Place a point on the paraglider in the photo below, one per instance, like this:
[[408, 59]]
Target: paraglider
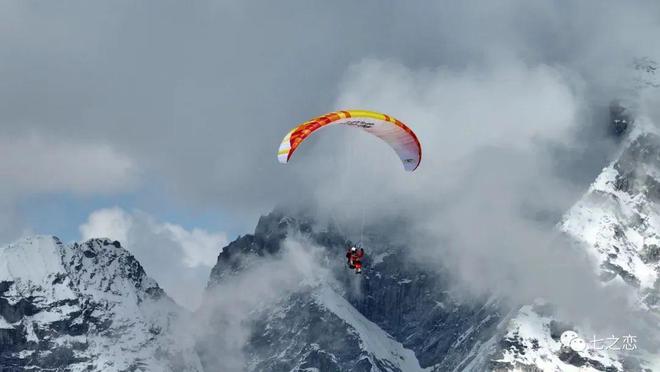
[[355, 259], [392, 131], [395, 133]]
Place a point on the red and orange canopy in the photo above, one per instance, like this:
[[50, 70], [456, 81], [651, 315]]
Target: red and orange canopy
[[396, 134]]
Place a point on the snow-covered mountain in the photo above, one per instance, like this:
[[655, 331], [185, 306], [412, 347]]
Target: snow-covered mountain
[[618, 220], [395, 317], [91, 306], [617, 223], [85, 307], [421, 325]]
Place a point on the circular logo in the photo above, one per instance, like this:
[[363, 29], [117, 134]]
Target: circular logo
[[578, 344], [567, 337]]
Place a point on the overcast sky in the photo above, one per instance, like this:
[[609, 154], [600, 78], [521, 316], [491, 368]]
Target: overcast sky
[[162, 119]]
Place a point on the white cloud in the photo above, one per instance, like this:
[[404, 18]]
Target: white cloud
[[179, 259], [32, 164], [223, 323], [36, 164], [460, 115], [485, 200], [199, 246], [112, 223], [456, 111]]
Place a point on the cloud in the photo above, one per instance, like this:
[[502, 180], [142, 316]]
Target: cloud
[[487, 131], [199, 246], [35, 164], [180, 260], [486, 199], [32, 164], [223, 323], [112, 223], [201, 113], [507, 99]]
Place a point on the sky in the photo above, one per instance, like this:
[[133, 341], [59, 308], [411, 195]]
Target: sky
[[158, 122]]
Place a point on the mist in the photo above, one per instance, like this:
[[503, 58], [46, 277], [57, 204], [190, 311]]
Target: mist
[[223, 324], [509, 100], [486, 203], [194, 102]]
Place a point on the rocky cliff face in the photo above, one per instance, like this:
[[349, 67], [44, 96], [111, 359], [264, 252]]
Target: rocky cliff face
[[90, 305], [618, 220], [394, 317], [617, 223], [422, 325], [85, 306]]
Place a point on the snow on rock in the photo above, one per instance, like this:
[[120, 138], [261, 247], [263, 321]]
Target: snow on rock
[[393, 318], [618, 220], [379, 258], [86, 306], [34, 266], [4, 324], [533, 340], [373, 339]]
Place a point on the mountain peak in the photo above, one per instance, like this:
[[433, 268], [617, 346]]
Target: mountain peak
[[86, 305], [617, 220]]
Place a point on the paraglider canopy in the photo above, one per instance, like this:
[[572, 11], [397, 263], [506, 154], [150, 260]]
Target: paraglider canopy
[[395, 133]]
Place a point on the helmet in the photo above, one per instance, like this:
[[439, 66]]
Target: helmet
[[353, 249]]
